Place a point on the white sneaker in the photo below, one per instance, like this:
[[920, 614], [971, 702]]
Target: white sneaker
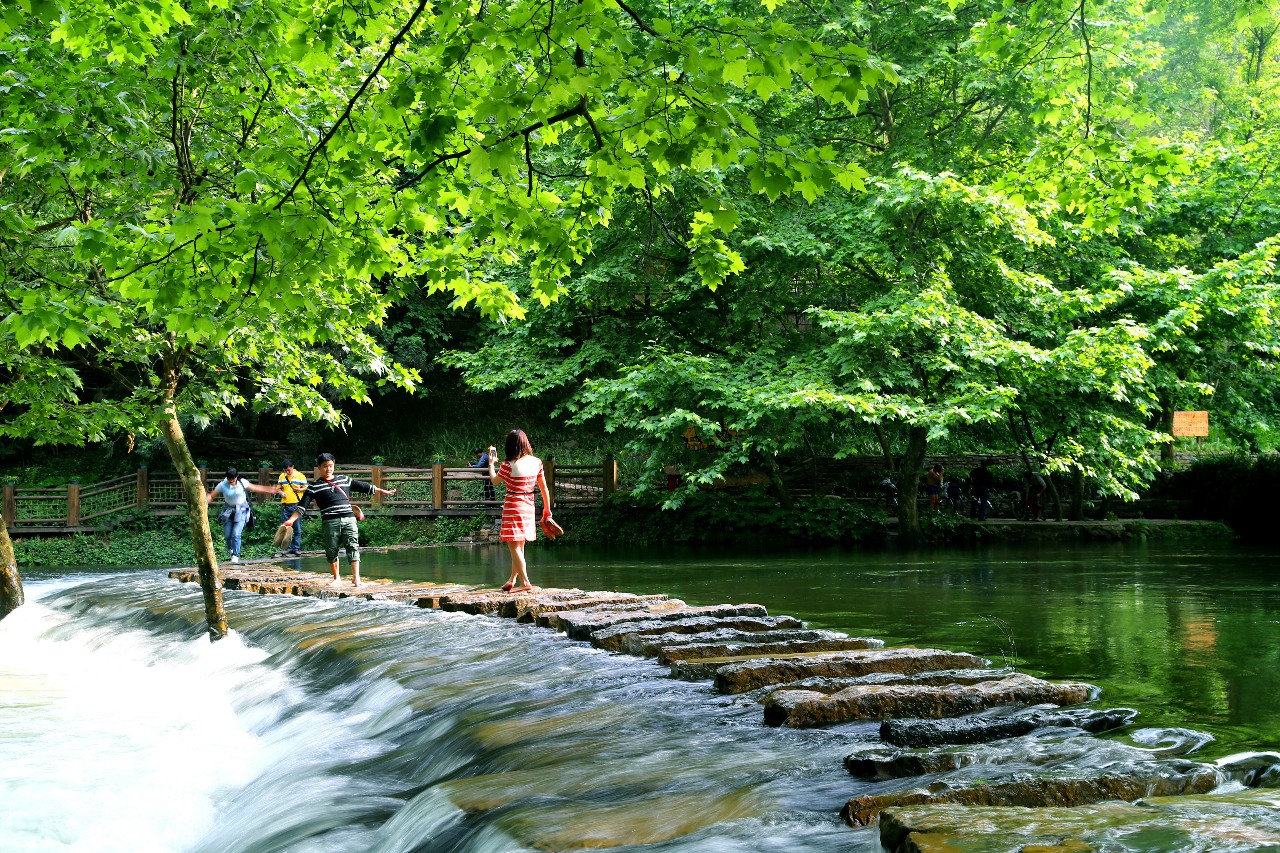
[[234, 558]]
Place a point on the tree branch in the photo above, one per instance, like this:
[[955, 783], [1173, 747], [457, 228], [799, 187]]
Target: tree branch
[[351, 103], [639, 21]]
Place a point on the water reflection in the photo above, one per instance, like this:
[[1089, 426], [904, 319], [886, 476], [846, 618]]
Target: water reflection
[[1186, 635]]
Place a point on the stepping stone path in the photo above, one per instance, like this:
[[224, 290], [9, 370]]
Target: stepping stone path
[[806, 678]]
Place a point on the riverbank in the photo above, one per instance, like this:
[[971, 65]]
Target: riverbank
[[1115, 530], [166, 541]]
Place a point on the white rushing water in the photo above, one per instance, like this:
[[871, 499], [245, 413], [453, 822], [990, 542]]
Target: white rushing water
[[331, 726], [117, 740]]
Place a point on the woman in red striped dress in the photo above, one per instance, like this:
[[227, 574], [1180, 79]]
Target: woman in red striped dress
[[522, 474]]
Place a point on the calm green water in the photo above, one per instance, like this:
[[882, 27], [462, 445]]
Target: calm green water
[[1188, 636]]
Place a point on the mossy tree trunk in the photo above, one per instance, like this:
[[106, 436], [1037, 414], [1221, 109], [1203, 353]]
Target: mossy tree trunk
[[1166, 424], [11, 597], [909, 485], [193, 494], [1077, 494]]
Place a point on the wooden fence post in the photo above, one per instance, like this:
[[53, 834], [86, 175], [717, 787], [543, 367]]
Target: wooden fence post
[[379, 479], [73, 503], [144, 487], [10, 504], [264, 479], [549, 472], [437, 485], [610, 476]]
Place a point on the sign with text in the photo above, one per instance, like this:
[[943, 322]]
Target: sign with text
[[1191, 423]]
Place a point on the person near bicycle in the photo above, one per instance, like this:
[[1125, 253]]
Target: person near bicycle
[[980, 482], [1034, 487]]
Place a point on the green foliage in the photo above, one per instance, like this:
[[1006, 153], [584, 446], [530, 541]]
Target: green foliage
[[141, 539], [1229, 488], [753, 516], [943, 525], [1028, 266], [58, 469]]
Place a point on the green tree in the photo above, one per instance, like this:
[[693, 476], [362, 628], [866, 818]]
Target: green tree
[[239, 190], [931, 302]]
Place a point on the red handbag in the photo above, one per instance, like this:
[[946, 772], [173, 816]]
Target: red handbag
[[551, 528]]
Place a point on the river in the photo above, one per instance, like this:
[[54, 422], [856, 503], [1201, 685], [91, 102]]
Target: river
[[340, 726]]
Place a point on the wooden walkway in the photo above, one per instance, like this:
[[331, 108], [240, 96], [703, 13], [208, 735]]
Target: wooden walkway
[[438, 491]]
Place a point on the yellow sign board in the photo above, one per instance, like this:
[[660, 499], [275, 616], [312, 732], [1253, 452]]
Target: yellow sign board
[[1191, 423]]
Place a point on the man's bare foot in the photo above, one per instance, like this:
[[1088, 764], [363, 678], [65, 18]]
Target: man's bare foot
[[336, 582]]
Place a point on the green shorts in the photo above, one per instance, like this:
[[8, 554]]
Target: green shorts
[[341, 533]]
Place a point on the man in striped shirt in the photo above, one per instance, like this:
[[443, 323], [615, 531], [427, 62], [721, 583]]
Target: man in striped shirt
[[331, 493]]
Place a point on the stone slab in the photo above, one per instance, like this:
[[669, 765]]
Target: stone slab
[[968, 730], [622, 637], [562, 617], [935, 678], [742, 647], [531, 611], [806, 709], [580, 626], [1189, 817], [753, 674], [881, 765]]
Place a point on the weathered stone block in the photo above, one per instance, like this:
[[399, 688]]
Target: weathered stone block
[[580, 626], [1235, 820], [898, 765], [530, 611], [919, 733], [935, 678], [742, 647], [806, 708], [614, 638], [1152, 780], [560, 618], [749, 675]]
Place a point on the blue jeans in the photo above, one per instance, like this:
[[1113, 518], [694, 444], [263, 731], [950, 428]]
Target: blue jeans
[[233, 521], [286, 513]]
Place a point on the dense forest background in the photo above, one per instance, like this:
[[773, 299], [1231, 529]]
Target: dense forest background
[[761, 237]]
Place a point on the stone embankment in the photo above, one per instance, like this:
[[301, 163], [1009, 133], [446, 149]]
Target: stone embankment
[[923, 699]]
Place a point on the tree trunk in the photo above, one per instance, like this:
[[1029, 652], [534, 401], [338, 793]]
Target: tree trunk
[[885, 449], [10, 581], [909, 531], [193, 493], [784, 493], [1077, 494], [1053, 492], [1166, 425]]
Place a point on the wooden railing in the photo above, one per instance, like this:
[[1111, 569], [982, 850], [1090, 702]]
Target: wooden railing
[[434, 491]]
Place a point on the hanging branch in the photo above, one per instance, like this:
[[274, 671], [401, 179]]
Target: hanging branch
[[351, 103], [1088, 85]]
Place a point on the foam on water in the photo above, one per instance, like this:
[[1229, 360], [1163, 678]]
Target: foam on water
[[118, 740]]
